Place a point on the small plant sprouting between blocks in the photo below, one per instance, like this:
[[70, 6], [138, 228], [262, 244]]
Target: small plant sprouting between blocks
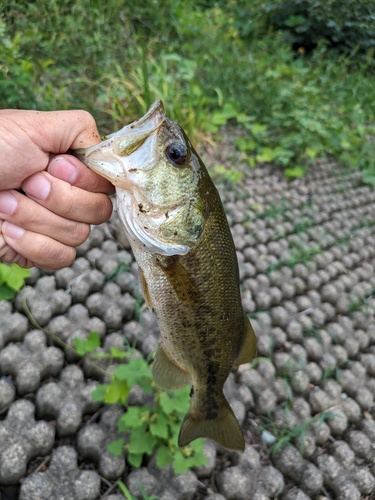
[[124, 490], [285, 434], [12, 279], [151, 427]]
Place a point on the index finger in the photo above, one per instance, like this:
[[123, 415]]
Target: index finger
[[29, 137], [72, 170]]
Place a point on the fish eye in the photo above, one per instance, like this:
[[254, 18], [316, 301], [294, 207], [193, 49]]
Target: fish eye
[[177, 153]]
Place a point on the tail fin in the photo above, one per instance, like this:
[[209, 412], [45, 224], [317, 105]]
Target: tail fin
[[224, 429]]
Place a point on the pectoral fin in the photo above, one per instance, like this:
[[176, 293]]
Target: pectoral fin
[[249, 345], [180, 280], [144, 288], [166, 374]]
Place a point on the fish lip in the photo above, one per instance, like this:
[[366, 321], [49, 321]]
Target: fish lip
[[139, 129], [157, 109]]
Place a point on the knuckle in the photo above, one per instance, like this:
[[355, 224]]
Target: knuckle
[[56, 255], [105, 210], [80, 232], [86, 120]]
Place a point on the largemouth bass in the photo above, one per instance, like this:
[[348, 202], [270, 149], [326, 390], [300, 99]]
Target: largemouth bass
[[174, 220]]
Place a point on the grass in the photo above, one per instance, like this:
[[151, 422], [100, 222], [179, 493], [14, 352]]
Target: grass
[[302, 254], [200, 59], [286, 435]]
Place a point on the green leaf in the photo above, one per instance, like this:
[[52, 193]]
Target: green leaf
[[311, 152], [98, 394], [90, 344], [117, 353], [6, 293], [160, 427], [198, 449], [117, 392], [167, 403], [293, 21], [163, 456], [136, 371], [257, 129], [291, 173], [116, 447], [4, 273], [221, 117], [133, 418], [141, 441], [16, 277], [189, 456], [367, 178], [266, 155], [135, 459], [179, 462]]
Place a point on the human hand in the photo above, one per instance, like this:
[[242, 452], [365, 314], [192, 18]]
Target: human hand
[[42, 225]]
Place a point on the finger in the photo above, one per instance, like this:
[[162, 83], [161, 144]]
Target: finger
[[9, 255], [68, 201], [35, 248], [28, 137], [56, 131], [68, 168], [30, 215]]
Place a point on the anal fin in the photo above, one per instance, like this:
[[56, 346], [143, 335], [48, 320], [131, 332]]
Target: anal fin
[[166, 374], [249, 345], [224, 429]]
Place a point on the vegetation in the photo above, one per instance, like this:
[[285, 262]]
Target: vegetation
[[293, 107], [126, 493], [12, 279], [151, 427], [285, 435]]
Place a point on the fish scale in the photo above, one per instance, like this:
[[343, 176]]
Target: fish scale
[[173, 217]]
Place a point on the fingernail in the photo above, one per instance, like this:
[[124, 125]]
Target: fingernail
[[8, 203], [37, 186], [12, 231], [63, 169]]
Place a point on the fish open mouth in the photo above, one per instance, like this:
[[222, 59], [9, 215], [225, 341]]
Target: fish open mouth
[[109, 157]]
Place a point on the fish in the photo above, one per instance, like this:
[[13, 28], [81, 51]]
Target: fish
[[175, 222]]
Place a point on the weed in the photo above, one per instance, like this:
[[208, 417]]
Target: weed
[[12, 279], [150, 427], [312, 331], [227, 176], [124, 490], [114, 274], [331, 372], [286, 435], [120, 58], [361, 302], [301, 255]]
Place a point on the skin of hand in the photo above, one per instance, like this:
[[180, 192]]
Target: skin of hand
[[48, 199]]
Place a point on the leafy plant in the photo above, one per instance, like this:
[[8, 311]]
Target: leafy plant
[[345, 25], [227, 176], [150, 427], [293, 110], [301, 255], [12, 279]]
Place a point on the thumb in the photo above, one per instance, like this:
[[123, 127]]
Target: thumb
[[58, 131]]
